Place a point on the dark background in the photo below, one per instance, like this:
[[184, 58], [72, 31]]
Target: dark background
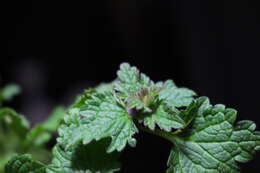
[[56, 49]]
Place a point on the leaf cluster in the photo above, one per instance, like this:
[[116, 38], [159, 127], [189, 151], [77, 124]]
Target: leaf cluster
[[104, 120], [16, 135]]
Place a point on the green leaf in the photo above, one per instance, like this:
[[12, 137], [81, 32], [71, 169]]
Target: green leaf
[[145, 99], [13, 129], [81, 99], [135, 89], [165, 117], [100, 117], [8, 92], [41, 133], [168, 118], [24, 164], [16, 122], [174, 96], [105, 87], [91, 158], [54, 120], [130, 80], [214, 143], [36, 137]]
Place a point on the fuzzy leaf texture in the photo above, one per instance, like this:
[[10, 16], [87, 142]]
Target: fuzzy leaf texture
[[130, 80], [103, 120], [215, 143], [165, 117], [133, 87], [99, 118], [159, 101], [174, 96]]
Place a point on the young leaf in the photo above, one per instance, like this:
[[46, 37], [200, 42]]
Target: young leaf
[[24, 164], [130, 80], [174, 96], [214, 143], [91, 158], [135, 89], [165, 117], [100, 117], [168, 117]]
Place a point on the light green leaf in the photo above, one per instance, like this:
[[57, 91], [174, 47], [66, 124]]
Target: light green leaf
[[54, 120], [130, 80], [165, 117], [41, 133], [100, 117], [91, 158], [8, 92], [174, 96], [168, 118], [135, 89], [16, 122], [24, 164], [105, 87], [36, 137], [214, 144], [13, 129], [81, 99]]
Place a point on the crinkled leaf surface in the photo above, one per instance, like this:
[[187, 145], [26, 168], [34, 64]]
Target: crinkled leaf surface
[[81, 99], [24, 164], [130, 80], [165, 117], [105, 87], [91, 158], [168, 118], [100, 123], [214, 144], [135, 88], [174, 96], [100, 117]]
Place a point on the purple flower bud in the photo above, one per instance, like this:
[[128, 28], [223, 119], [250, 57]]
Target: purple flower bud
[[132, 111]]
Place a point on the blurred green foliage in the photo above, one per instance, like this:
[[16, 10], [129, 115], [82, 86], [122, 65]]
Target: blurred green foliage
[[16, 135]]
